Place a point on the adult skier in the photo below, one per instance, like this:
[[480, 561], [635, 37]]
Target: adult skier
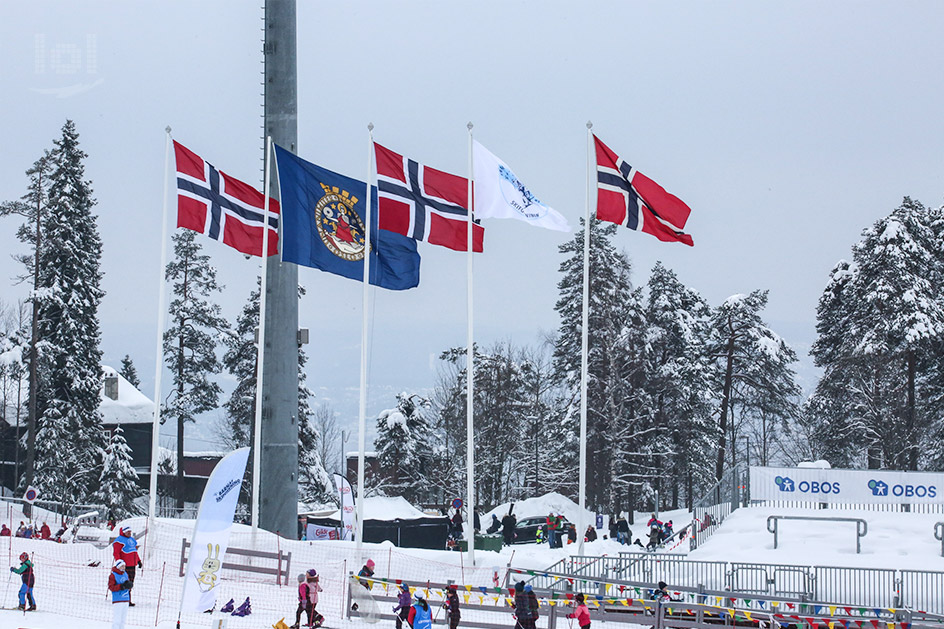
[[125, 548], [420, 616]]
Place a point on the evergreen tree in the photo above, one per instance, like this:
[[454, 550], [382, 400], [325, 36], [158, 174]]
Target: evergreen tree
[[620, 428], [402, 444], [129, 373], [190, 340], [118, 484], [679, 380], [68, 270], [754, 364]]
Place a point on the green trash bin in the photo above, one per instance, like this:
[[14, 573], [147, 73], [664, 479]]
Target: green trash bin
[[488, 542]]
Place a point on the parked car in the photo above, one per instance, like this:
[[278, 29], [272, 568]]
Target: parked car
[[527, 528]]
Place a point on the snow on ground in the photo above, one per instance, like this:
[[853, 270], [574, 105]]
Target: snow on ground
[[894, 540]]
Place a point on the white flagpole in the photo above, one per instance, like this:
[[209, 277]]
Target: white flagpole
[[362, 405], [584, 341], [470, 377], [158, 352], [260, 350]]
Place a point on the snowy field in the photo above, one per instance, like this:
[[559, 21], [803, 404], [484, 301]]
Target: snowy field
[[71, 590]]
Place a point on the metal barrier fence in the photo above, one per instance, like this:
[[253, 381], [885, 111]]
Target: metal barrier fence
[[860, 587], [709, 511]]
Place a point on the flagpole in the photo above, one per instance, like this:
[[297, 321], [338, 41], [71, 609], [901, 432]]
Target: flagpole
[[470, 374], [158, 352], [584, 342], [260, 349], [362, 405]]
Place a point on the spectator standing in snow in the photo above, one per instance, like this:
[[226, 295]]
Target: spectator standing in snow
[[20, 530], [452, 606], [654, 520], [655, 537], [120, 584], [623, 535], [4, 531], [402, 610], [476, 523], [572, 534], [457, 524], [591, 534], [365, 573], [581, 613], [125, 547], [614, 527], [551, 524], [667, 531], [28, 577], [44, 532], [509, 522], [420, 616]]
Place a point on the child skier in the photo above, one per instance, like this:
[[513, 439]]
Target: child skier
[[29, 580], [581, 613], [402, 610], [420, 616], [308, 588], [452, 606]]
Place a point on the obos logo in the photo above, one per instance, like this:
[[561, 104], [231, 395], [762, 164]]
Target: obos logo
[[807, 487], [784, 483], [880, 488]]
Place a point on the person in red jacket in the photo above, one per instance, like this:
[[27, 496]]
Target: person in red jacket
[[44, 532], [125, 548], [581, 613]]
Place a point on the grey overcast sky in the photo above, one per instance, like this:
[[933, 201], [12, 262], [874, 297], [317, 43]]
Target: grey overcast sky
[[787, 127]]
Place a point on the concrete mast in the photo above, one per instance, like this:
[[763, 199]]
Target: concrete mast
[[279, 465]]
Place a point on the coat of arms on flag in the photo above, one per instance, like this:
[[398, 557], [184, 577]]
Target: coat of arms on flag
[[627, 197], [224, 208], [424, 203]]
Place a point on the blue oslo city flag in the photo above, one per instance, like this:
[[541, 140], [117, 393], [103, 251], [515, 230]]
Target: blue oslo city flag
[[323, 226]]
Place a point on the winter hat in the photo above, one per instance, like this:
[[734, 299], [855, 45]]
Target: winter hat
[[405, 587], [661, 585], [24, 556], [312, 573], [301, 578], [370, 564], [519, 586], [125, 530], [418, 596], [120, 564], [528, 588]]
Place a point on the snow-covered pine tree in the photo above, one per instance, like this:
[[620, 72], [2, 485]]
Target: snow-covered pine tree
[[620, 431], [118, 484], [68, 458], [403, 448], [754, 364], [129, 373], [679, 380], [883, 333], [31, 208], [190, 340]]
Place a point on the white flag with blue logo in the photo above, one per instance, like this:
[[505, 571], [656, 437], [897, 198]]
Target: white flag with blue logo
[[211, 532], [500, 194]]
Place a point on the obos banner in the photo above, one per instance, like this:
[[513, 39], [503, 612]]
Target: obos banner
[[211, 532], [802, 484]]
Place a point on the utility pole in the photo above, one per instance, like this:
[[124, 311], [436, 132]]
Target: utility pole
[[278, 478]]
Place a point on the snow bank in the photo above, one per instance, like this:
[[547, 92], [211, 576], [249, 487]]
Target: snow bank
[[542, 505], [385, 508]]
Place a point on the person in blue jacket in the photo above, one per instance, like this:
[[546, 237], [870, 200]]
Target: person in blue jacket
[[119, 584], [420, 615]]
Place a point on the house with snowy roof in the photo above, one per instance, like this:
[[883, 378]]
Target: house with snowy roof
[[124, 405]]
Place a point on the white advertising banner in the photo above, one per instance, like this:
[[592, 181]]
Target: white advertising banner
[[347, 506], [211, 532], [801, 484], [317, 532]]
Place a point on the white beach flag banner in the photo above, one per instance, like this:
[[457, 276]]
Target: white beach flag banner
[[347, 506], [500, 194], [211, 532]]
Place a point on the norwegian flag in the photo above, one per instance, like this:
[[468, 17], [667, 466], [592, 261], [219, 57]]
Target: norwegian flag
[[213, 203], [627, 197], [424, 203]]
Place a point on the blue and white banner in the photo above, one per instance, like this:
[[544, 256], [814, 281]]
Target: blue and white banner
[[800, 484], [211, 532]]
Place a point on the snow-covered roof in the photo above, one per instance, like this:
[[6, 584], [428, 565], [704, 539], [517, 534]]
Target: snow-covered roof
[[367, 454], [131, 407], [387, 509], [552, 502]]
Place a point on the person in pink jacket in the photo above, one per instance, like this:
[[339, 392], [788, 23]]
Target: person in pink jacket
[[581, 613], [308, 588]]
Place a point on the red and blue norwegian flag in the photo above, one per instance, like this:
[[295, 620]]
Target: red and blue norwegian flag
[[226, 209], [627, 197], [424, 203]]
